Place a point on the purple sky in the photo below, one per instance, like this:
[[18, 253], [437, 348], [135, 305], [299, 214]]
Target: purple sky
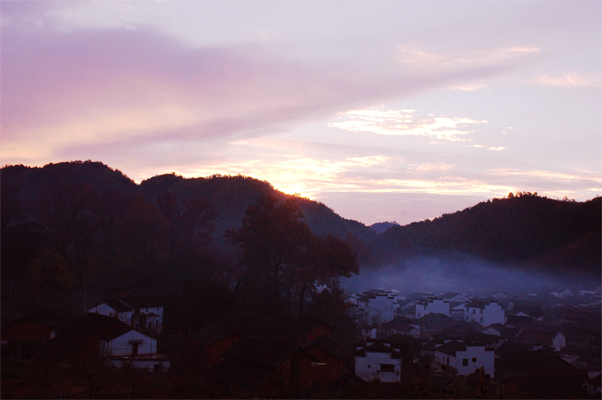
[[381, 110]]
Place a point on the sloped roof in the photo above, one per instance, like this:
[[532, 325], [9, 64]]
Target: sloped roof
[[397, 323], [449, 295], [260, 352], [451, 348], [538, 363], [288, 329], [138, 302], [378, 348], [437, 320], [238, 373], [535, 336], [329, 344], [48, 317], [118, 306], [476, 304], [209, 334], [89, 326], [555, 386], [115, 333], [55, 349]]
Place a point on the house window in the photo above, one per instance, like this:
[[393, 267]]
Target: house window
[[465, 362], [288, 363], [156, 367], [474, 311], [387, 368], [481, 319], [368, 365], [467, 318]]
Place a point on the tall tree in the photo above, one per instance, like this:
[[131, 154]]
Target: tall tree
[[284, 258]]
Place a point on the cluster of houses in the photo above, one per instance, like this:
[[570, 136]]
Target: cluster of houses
[[126, 331], [520, 344], [538, 345]]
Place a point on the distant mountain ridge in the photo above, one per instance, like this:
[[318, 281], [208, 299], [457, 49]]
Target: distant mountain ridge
[[526, 230]]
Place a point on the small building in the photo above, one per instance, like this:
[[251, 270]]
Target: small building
[[34, 328], [484, 313], [143, 313], [433, 305], [100, 339], [378, 361], [464, 357]]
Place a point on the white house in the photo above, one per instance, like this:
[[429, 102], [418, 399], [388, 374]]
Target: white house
[[127, 347], [141, 313], [378, 361], [377, 307], [433, 305], [449, 296], [460, 355], [484, 312]]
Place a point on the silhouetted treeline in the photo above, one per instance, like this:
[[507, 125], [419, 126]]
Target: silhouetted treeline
[[522, 230], [82, 227]]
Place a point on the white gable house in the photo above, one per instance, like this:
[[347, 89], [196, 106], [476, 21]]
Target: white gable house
[[142, 313], [378, 361], [460, 355], [435, 305], [484, 312], [127, 347]]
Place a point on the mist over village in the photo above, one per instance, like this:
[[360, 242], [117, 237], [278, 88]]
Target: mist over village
[[301, 199]]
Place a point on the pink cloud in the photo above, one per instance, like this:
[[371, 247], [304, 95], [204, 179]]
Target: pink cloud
[[90, 87]]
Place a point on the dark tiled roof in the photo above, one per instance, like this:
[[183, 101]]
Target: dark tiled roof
[[378, 348], [260, 352], [50, 318], [210, 334], [549, 386], [288, 329], [55, 349], [538, 363], [118, 306], [329, 344], [533, 336], [140, 302], [115, 333], [89, 326], [397, 323], [451, 348], [224, 320], [240, 374], [476, 304], [508, 348], [449, 295]]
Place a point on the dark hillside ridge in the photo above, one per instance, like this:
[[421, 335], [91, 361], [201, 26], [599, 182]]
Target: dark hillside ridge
[[230, 195], [381, 227], [528, 230]]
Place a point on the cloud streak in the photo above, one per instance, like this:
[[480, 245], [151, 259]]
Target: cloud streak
[[405, 123], [97, 86]]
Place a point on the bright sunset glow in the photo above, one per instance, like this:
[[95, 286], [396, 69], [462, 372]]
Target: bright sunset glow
[[365, 106]]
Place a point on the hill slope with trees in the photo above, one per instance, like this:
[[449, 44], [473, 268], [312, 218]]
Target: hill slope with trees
[[525, 230]]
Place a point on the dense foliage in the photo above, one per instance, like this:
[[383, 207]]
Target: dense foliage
[[523, 229]]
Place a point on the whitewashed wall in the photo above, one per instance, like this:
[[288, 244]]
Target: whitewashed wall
[[368, 367], [121, 346]]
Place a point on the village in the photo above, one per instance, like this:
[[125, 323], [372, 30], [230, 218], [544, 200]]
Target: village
[[456, 345]]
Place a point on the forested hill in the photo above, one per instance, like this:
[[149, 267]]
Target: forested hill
[[525, 230], [230, 195]]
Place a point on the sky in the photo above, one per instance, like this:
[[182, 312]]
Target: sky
[[382, 110]]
